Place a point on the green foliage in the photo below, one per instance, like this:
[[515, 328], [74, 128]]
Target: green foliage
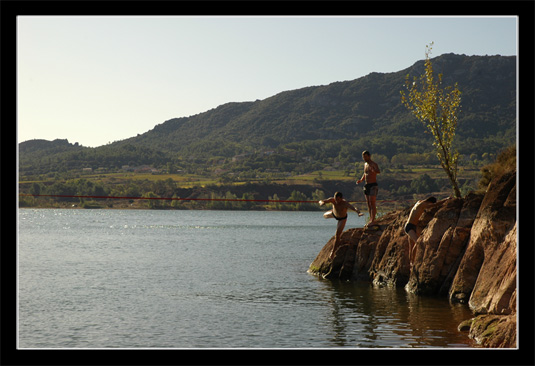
[[424, 184], [505, 161], [437, 108], [152, 203]]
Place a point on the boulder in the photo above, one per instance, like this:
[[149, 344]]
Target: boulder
[[482, 260]]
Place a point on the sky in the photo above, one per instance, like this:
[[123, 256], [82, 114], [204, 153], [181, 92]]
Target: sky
[[99, 79]]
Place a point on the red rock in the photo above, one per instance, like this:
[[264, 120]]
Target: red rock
[[495, 219], [466, 252]]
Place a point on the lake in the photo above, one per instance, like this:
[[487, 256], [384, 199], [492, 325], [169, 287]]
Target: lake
[[92, 279]]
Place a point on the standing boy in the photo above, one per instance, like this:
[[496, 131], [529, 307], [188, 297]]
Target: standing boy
[[371, 169], [339, 212]]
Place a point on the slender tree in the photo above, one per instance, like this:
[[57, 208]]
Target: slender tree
[[437, 108]]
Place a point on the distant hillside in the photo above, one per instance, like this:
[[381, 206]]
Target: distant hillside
[[316, 124]]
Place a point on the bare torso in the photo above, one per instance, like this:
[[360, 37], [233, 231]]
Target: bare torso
[[370, 172], [340, 208], [417, 211]]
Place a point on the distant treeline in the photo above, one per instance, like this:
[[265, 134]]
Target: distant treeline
[[167, 188], [390, 189]]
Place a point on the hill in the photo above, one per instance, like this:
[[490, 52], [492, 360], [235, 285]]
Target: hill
[[306, 129]]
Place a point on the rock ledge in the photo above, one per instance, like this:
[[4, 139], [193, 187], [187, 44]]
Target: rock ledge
[[466, 253]]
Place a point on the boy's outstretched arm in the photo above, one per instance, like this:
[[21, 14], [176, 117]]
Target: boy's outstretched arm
[[350, 206], [328, 200]]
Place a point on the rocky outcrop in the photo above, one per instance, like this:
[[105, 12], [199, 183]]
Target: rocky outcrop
[[466, 253]]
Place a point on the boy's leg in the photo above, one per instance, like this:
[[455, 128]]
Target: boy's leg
[[340, 228], [413, 235], [369, 203], [338, 236], [372, 198], [412, 245], [373, 209]]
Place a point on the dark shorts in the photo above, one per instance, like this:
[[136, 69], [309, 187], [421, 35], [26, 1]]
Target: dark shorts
[[371, 189], [340, 218], [410, 227]]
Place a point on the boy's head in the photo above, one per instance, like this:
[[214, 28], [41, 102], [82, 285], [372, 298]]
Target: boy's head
[[432, 200]]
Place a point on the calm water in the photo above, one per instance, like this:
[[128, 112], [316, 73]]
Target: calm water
[[205, 279]]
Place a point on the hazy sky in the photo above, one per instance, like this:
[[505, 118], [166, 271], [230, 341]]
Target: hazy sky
[[99, 79]]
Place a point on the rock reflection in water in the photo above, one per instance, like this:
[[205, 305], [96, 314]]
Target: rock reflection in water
[[370, 317]]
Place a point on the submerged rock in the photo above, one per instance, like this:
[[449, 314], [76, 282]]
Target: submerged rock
[[466, 252]]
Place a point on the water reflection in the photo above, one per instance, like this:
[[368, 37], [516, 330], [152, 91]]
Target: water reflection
[[370, 317]]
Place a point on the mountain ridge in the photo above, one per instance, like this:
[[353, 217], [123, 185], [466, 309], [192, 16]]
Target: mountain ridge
[[365, 113]]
